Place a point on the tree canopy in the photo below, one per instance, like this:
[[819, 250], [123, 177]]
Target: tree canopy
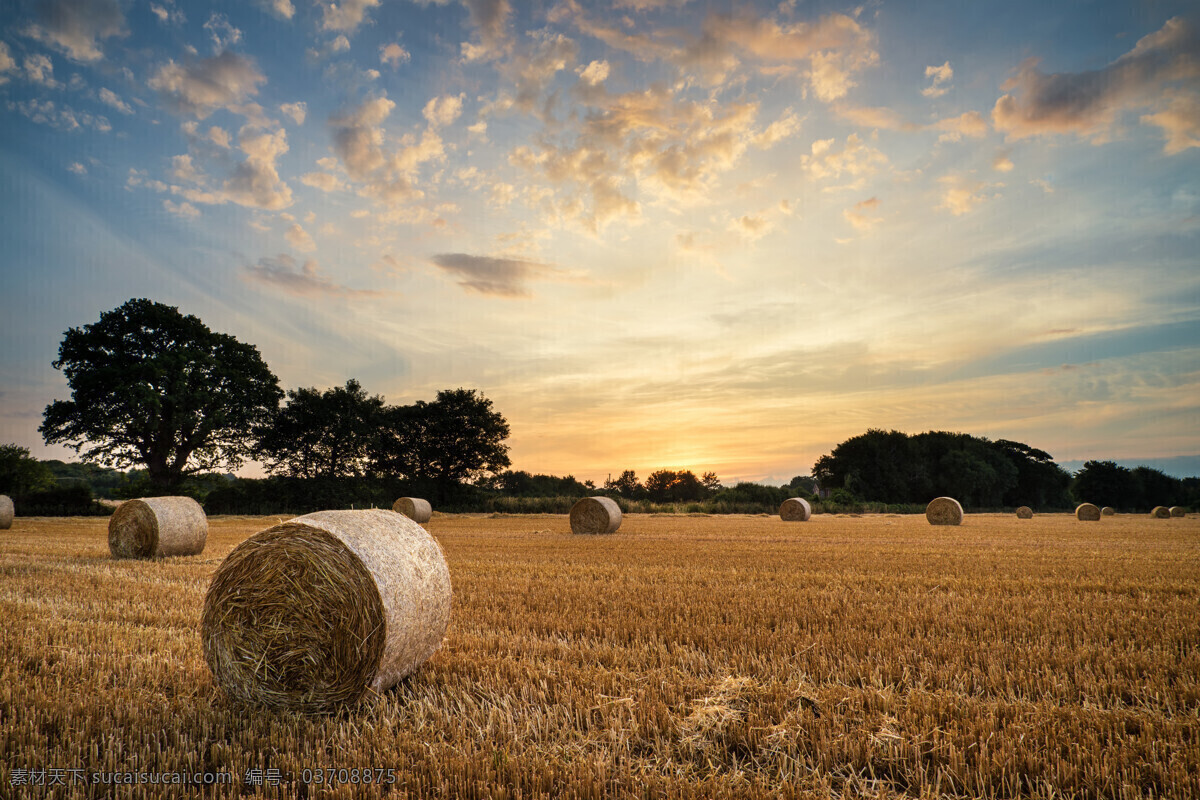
[[152, 387], [329, 434]]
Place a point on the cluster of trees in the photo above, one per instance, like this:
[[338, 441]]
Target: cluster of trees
[[893, 467], [665, 486], [1107, 483], [154, 388]]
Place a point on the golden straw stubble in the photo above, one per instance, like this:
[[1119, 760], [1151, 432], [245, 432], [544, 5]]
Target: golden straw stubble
[[595, 515], [944, 511], [311, 614], [6, 512], [1087, 512], [415, 508], [795, 509], [156, 527]]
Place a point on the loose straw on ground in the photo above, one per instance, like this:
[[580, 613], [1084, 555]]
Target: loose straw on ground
[[6, 512], [1087, 512], [1024, 512], [944, 511], [155, 527], [595, 515], [795, 509], [414, 508], [314, 612]]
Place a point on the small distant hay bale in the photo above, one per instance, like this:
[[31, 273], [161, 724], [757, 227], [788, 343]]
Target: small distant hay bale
[[795, 509], [6, 512], [414, 508], [1178, 511], [155, 527], [1024, 512], [315, 612], [944, 511], [1161, 512], [1087, 512], [1108, 511], [595, 515]]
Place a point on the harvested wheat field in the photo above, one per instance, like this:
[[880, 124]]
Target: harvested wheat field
[[682, 656]]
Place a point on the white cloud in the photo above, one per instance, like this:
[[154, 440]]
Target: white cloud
[[490, 20], [344, 16], [299, 238], [225, 81], [393, 54], [297, 111], [442, 111], [1002, 163], [961, 195], [941, 77], [498, 277], [76, 26], [182, 169], [184, 209], [594, 73], [860, 215], [40, 70], [281, 273], [970, 124], [1179, 119], [7, 64], [220, 137], [856, 159], [45, 112], [280, 8], [256, 182], [222, 33], [77, 168], [784, 127], [110, 98]]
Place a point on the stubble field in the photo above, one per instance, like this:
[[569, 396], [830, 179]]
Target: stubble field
[[684, 656]]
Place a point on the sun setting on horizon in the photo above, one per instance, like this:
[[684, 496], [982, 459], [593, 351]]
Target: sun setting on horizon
[[654, 233]]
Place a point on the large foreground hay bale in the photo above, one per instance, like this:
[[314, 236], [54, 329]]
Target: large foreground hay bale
[[795, 509], [1024, 512], [6, 512], [1108, 511], [595, 515], [1178, 511], [154, 527], [944, 511], [1087, 512], [310, 614], [414, 508], [1161, 512]]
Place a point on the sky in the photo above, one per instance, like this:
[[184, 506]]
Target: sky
[[655, 233]]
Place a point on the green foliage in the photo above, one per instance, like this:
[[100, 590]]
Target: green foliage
[[328, 434], [669, 486], [104, 482], [895, 468], [626, 485], [73, 500], [152, 387], [21, 473]]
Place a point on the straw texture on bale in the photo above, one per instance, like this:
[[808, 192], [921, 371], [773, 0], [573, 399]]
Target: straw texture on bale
[[312, 613], [1161, 512], [155, 527], [944, 511], [1108, 511], [795, 509], [1024, 512], [1087, 512], [1178, 511], [6, 512], [595, 515], [414, 508]]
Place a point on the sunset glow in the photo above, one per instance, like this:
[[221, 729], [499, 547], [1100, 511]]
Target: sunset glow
[[655, 233]]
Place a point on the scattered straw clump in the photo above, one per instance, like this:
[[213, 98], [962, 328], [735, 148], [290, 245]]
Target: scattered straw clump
[[1108, 511], [944, 511], [414, 508], [1024, 512], [1178, 511], [6, 512], [1161, 512], [1087, 512], [595, 515], [795, 509], [155, 527], [314, 612]]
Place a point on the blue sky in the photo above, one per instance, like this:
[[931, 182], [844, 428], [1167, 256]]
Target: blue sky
[[656, 233]]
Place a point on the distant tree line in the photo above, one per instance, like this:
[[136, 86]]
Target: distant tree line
[[1107, 483]]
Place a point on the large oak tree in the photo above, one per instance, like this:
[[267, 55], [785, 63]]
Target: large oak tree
[[153, 387]]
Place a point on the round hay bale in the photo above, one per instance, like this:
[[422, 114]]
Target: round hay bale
[[1024, 512], [6, 512], [944, 511], [1178, 511], [154, 527], [1087, 512], [314, 612], [1161, 512], [1108, 511], [414, 508], [795, 509], [595, 515]]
